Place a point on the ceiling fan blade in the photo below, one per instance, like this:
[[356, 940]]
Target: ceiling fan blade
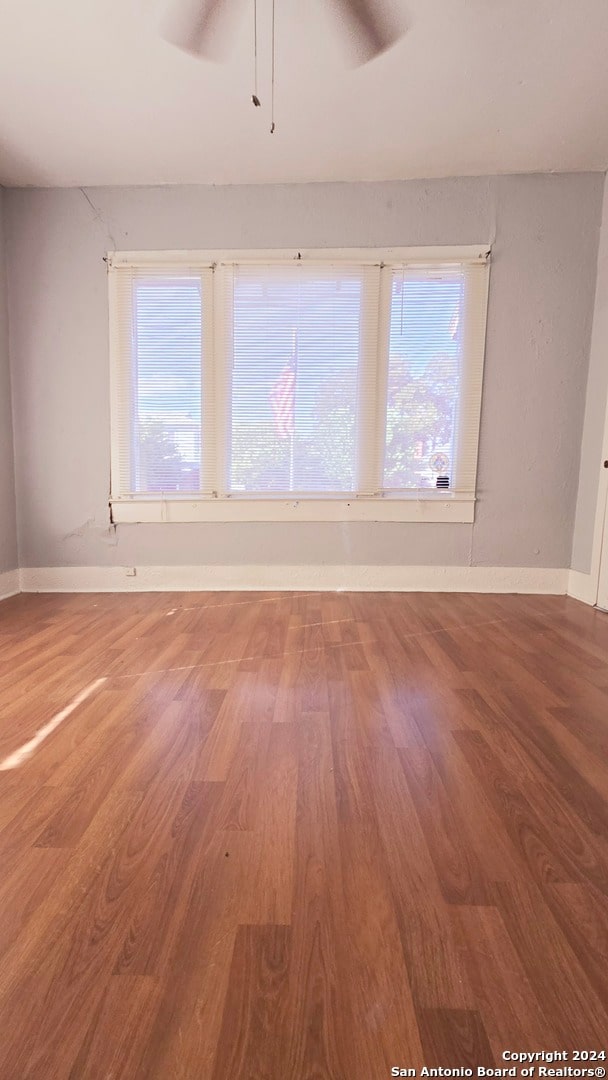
[[373, 29], [192, 24]]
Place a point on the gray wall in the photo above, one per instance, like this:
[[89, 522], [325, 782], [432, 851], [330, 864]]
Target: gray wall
[[545, 231], [8, 522], [595, 415]]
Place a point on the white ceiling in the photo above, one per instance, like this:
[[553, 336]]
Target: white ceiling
[[90, 93]]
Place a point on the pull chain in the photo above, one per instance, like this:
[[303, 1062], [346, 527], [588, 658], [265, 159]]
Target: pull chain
[[254, 96], [272, 124]]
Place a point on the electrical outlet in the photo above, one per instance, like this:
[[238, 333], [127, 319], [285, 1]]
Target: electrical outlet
[[131, 571]]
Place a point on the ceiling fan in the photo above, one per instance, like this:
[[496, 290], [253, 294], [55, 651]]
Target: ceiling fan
[[192, 25]]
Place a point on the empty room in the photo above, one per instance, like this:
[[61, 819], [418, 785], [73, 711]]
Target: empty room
[[303, 539]]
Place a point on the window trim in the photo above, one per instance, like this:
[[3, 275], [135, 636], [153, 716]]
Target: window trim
[[402, 506], [436, 508], [465, 253]]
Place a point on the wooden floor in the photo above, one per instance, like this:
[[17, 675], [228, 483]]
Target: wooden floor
[[300, 835]]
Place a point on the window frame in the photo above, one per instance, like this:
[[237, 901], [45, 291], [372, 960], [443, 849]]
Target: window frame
[[399, 506]]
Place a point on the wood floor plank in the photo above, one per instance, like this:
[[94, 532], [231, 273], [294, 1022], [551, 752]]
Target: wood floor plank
[[381, 995], [316, 1037], [252, 1040], [185, 1034], [529, 832], [119, 1029], [437, 972], [454, 1038], [581, 912], [511, 1012], [554, 969], [158, 918], [274, 881], [459, 871]]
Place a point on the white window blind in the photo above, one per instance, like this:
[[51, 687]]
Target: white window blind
[[433, 386], [301, 350], [330, 380], [161, 327]]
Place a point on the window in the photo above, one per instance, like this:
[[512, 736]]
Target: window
[[315, 386]]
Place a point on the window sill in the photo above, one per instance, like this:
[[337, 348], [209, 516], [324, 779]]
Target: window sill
[[429, 508]]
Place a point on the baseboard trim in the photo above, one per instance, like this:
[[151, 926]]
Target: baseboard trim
[[483, 579], [9, 584], [582, 587]]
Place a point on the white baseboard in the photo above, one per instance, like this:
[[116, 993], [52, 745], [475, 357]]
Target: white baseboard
[[9, 584], [582, 587], [481, 579]]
